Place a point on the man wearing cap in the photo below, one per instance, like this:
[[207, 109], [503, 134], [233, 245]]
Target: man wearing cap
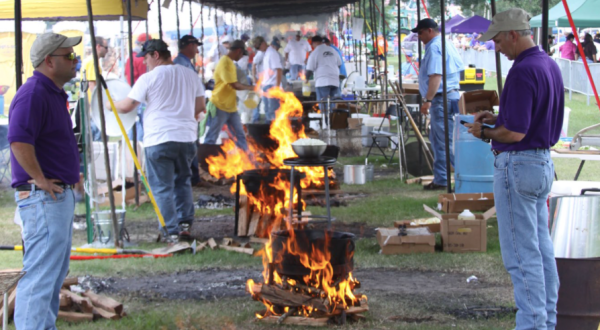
[[342, 66], [271, 77], [529, 123], [295, 52], [222, 108], [45, 166], [188, 48], [325, 63], [408, 69], [174, 96], [431, 88]]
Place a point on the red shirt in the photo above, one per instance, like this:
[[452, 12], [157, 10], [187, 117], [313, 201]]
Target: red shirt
[[139, 68]]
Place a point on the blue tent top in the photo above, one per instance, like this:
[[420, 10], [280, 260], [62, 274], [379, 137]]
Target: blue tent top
[[452, 22], [475, 24]]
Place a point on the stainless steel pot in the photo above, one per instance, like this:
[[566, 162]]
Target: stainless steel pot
[[355, 174], [575, 226]]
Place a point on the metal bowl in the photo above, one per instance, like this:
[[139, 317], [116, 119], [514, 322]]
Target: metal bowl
[[309, 151]]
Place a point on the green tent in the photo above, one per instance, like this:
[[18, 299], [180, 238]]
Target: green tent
[[584, 12]]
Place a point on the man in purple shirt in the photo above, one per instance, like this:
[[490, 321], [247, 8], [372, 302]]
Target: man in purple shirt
[[530, 120], [45, 166]]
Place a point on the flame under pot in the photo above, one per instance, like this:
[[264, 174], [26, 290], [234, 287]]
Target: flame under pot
[[340, 246]]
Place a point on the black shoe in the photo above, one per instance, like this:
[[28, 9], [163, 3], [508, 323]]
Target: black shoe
[[185, 231], [433, 186]]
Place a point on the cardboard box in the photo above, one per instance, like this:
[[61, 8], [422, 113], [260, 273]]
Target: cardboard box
[[118, 193], [475, 101], [410, 88], [456, 203], [391, 243], [354, 123], [463, 235], [433, 227]]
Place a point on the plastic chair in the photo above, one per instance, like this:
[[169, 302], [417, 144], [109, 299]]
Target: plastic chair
[[392, 110]]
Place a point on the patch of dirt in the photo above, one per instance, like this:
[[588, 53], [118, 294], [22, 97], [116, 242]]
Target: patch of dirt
[[475, 313], [215, 283]]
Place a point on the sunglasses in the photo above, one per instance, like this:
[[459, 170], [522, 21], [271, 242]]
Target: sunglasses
[[69, 56]]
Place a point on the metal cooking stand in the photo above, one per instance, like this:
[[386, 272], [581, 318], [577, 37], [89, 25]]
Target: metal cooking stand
[[324, 162]]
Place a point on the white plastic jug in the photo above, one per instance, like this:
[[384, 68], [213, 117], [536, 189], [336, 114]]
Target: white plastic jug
[[251, 100], [359, 82], [466, 215], [306, 90]]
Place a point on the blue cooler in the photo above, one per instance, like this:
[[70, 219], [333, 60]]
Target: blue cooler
[[473, 160]]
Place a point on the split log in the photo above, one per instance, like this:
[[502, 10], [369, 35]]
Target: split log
[[249, 251], [85, 304], [75, 317], [211, 242], [259, 240], [243, 216], [70, 281], [254, 220], [12, 296], [101, 313], [65, 302], [200, 246], [104, 302], [226, 242], [297, 320], [286, 298]]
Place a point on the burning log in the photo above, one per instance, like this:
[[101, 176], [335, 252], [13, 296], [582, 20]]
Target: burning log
[[281, 297]]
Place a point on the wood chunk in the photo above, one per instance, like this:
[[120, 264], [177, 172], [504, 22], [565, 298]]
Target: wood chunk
[[99, 312], [104, 302], [70, 281], [75, 317], [65, 302], [243, 216], [259, 240], [249, 251], [282, 297], [12, 296], [254, 219], [85, 304], [297, 320], [200, 246], [213, 245]]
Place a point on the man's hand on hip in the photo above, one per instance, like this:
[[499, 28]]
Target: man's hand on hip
[[48, 185]]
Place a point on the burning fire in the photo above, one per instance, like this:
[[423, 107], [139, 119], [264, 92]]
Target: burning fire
[[302, 76]]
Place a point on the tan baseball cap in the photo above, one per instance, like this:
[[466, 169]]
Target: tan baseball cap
[[514, 19], [45, 44]]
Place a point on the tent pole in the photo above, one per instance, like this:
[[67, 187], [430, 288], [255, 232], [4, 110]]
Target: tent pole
[[445, 96], [177, 18], [136, 181], [18, 45], [100, 83], [384, 83], [399, 36], [544, 25], [202, 38], [498, 61], [160, 31]]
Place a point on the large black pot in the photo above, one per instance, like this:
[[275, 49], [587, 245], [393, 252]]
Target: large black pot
[[255, 179], [340, 246], [205, 151]]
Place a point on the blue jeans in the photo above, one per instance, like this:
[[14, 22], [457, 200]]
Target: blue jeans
[[232, 119], [96, 134], [323, 92], [295, 69], [271, 105], [437, 136], [47, 233], [522, 181], [169, 175], [139, 124]]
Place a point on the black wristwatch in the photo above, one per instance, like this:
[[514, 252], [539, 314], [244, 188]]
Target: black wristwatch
[[427, 101], [482, 136]]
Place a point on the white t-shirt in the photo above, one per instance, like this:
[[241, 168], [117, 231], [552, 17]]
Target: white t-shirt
[[325, 62], [170, 92], [259, 57], [297, 51], [243, 62], [216, 53], [271, 63]]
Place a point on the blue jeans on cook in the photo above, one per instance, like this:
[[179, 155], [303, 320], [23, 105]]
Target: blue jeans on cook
[[323, 92], [47, 233], [295, 69], [437, 135], [233, 121], [522, 181], [169, 175], [271, 105]]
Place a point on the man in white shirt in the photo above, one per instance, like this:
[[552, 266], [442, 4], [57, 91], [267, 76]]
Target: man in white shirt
[[295, 53], [325, 62], [174, 96], [261, 46], [219, 50], [271, 77]]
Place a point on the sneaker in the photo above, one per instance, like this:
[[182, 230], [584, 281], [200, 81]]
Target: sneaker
[[171, 239], [185, 232], [433, 186]]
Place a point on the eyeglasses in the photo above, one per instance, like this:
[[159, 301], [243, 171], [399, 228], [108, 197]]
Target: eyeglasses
[[105, 47], [69, 56]]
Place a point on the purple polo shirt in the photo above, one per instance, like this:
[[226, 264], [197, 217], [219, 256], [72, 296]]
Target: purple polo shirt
[[532, 102], [38, 116]]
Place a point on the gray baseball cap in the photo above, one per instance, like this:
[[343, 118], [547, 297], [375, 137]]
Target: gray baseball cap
[[514, 19], [47, 43]]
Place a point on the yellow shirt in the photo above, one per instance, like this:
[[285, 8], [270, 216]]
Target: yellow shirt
[[90, 74], [223, 95]]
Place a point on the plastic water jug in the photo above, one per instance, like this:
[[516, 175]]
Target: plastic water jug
[[473, 160], [251, 100], [466, 215], [306, 90]]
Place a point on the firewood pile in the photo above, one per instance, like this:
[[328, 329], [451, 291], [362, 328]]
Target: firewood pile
[[74, 307], [300, 304]]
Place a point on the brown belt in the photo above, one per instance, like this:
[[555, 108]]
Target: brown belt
[[496, 152]]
